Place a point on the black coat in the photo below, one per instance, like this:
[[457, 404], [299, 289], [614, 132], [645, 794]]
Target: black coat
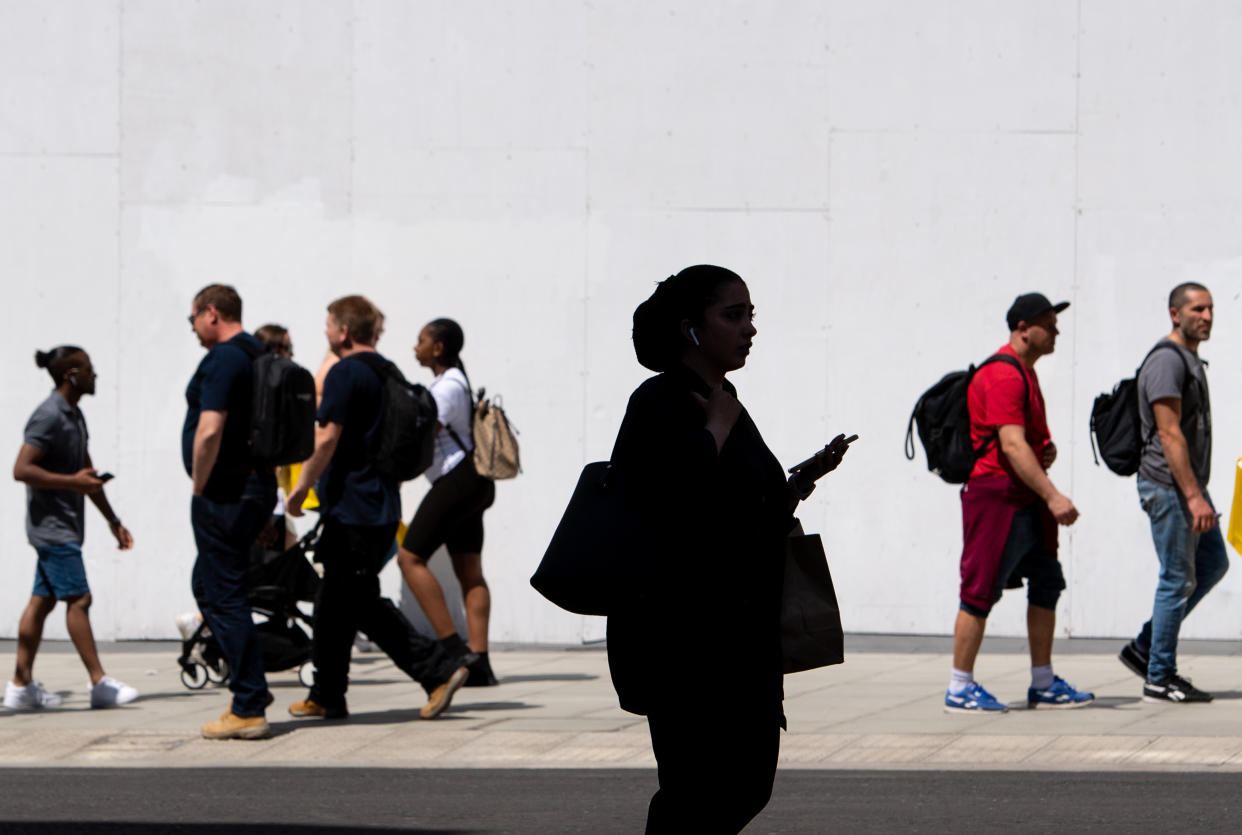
[[709, 608]]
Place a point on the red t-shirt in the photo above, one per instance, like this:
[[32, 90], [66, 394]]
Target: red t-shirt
[[996, 398]]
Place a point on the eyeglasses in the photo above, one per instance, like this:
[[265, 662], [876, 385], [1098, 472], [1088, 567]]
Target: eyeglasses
[[195, 315]]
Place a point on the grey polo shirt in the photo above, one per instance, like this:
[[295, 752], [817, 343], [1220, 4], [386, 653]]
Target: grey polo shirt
[[55, 517]]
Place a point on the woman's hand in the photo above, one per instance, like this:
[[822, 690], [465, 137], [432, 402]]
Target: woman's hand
[[822, 463], [723, 410]]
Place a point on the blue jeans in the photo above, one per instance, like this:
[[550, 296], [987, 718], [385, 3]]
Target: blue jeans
[[1190, 564], [224, 532]]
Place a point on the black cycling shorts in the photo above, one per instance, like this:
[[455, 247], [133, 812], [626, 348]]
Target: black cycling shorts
[[451, 514]]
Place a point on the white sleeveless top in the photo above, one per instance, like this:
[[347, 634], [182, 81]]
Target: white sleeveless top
[[452, 396]]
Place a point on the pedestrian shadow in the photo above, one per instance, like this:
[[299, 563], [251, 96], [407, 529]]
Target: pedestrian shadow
[[1099, 703], [547, 677], [1114, 702], [1227, 695], [470, 707]]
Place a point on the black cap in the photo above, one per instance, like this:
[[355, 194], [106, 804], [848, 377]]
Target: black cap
[[1029, 306]]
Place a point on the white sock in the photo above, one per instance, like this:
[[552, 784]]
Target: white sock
[[960, 681], [1041, 677]]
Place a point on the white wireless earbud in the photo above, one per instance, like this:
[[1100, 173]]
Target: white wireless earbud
[[694, 337]]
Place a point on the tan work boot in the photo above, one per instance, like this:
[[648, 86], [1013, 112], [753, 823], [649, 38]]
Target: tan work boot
[[267, 703], [314, 709], [231, 726], [439, 699]]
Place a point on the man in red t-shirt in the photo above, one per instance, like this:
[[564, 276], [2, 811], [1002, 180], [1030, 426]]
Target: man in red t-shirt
[[1010, 513]]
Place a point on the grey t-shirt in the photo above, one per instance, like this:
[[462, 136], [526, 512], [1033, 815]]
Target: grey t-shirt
[[1164, 375], [55, 517]]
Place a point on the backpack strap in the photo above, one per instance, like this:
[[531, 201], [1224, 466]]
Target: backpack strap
[[1164, 343], [470, 401], [1026, 397], [378, 364], [245, 347]]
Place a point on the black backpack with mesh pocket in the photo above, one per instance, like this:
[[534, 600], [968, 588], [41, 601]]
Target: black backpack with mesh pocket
[[943, 422], [1116, 428]]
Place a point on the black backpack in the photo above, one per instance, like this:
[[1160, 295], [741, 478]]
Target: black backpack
[[943, 422], [282, 409], [404, 442], [1116, 428]]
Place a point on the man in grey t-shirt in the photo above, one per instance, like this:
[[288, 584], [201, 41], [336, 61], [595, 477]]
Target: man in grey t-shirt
[[1176, 417], [55, 465]]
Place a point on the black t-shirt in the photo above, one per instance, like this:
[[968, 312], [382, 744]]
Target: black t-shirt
[[349, 488], [222, 383]]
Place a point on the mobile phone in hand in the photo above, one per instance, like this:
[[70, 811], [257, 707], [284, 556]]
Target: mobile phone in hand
[[105, 477], [802, 465]]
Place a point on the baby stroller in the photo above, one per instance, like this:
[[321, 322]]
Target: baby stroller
[[279, 580]]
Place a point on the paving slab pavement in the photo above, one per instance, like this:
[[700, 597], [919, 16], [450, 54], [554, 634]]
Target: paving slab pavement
[[555, 708]]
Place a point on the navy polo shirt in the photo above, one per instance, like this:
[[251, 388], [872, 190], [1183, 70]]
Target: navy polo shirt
[[222, 383], [350, 489]]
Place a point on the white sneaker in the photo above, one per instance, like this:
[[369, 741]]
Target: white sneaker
[[30, 697], [187, 622], [108, 692]]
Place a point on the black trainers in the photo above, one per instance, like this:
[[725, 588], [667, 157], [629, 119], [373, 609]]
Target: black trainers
[[481, 674], [1134, 659], [1173, 689]]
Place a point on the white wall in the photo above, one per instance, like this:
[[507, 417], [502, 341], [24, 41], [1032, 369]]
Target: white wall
[[886, 175]]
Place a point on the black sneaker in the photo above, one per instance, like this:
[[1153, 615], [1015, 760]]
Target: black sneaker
[[1173, 689], [1134, 659], [481, 674]]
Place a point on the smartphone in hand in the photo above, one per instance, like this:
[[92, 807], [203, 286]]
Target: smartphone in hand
[[802, 465], [105, 477]]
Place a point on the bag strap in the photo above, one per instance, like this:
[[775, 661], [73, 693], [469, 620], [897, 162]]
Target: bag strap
[[378, 364], [1026, 398], [1164, 343], [470, 401]]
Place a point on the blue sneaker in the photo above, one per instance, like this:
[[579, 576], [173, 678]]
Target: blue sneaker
[[1061, 694], [974, 699]]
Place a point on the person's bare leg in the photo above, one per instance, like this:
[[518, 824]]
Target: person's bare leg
[[29, 636], [967, 638], [78, 623], [1040, 624], [477, 597], [427, 592]]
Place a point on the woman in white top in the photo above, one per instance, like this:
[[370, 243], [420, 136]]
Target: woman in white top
[[451, 514]]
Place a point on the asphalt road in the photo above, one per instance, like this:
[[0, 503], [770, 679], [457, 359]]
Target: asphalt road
[[319, 800]]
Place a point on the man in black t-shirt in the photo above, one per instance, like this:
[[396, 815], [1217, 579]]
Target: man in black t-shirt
[[361, 511], [231, 502]]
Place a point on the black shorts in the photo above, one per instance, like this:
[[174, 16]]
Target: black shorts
[[451, 514]]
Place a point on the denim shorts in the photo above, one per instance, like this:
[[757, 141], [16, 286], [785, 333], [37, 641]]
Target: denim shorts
[[60, 573]]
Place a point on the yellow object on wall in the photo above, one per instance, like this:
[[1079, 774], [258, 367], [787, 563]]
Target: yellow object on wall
[[1235, 512]]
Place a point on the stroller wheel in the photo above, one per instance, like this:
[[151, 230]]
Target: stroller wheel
[[194, 676], [220, 673], [306, 674]]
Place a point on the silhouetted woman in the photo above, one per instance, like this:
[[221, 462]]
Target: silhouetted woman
[[697, 650], [451, 514]]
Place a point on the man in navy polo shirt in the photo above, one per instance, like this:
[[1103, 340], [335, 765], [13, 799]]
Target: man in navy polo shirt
[[361, 512], [231, 501]]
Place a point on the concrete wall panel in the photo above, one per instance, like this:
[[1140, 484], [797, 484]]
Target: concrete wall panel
[[886, 176]]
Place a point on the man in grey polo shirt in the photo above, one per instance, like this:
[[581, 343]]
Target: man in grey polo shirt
[[56, 467], [1176, 417]]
